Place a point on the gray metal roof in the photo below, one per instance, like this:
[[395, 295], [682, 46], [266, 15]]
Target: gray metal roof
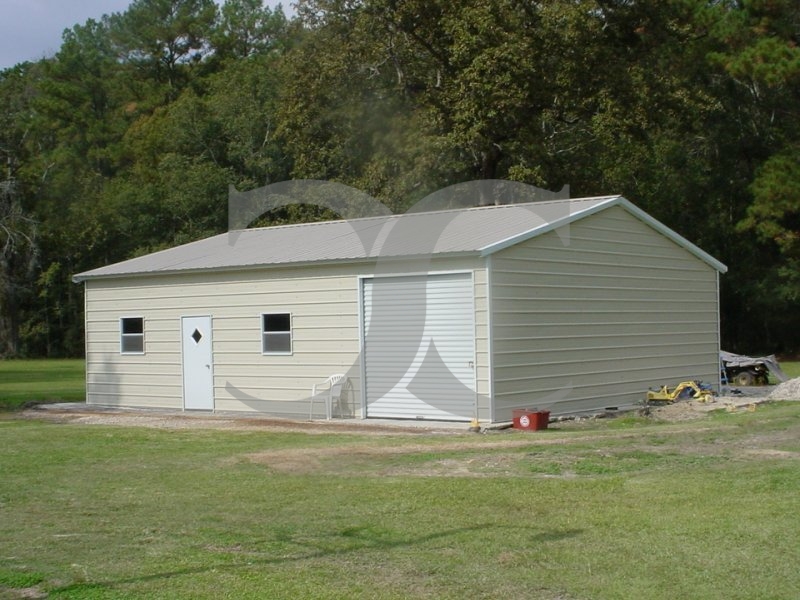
[[478, 230]]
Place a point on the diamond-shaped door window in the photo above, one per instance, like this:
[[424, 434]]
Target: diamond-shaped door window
[[197, 336]]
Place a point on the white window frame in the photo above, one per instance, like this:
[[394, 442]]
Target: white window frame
[[264, 334], [123, 336]]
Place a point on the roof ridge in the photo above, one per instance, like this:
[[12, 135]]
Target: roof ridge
[[430, 212]]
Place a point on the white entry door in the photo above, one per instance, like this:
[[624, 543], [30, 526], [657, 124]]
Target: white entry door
[[198, 368]]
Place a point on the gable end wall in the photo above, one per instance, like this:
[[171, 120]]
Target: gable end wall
[[591, 315]]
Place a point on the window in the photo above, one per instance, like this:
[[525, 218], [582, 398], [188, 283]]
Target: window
[[276, 333], [131, 335]]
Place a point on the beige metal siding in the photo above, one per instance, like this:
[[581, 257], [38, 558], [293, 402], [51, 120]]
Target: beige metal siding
[[482, 358], [323, 301], [591, 316]]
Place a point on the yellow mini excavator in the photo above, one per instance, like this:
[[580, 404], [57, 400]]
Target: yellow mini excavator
[[685, 390]]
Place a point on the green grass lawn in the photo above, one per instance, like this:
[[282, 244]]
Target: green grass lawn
[[623, 508], [52, 380], [791, 368]]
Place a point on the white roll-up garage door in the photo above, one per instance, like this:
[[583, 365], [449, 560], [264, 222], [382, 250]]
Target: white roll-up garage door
[[419, 347]]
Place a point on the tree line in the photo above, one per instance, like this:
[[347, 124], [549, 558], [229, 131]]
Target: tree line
[[127, 139]]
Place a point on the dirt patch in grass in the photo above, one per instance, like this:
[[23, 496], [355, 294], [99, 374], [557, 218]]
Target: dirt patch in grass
[[568, 449], [168, 420], [544, 456], [30, 593], [772, 453], [735, 399], [305, 460]]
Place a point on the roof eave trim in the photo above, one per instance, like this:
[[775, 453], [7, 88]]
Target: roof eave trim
[[86, 276], [673, 235], [615, 201]]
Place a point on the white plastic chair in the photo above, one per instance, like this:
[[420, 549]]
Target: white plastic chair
[[334, 384]]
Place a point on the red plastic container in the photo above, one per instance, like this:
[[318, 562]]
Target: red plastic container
[[530, 420]]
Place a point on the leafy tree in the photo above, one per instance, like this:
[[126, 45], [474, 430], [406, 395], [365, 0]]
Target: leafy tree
[[127, 140], [19, 240], [77, 117], [761, 59], [164, 39], [18, 254], [247, 28]]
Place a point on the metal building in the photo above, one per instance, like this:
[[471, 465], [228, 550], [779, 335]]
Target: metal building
[[569, 306]]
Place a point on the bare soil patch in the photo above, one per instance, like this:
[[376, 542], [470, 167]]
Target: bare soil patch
[[504, 450], [732, 399], [82, 415], [29, 593], [304, 460]]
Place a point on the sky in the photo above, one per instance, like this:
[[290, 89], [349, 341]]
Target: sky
[[31, 29]]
